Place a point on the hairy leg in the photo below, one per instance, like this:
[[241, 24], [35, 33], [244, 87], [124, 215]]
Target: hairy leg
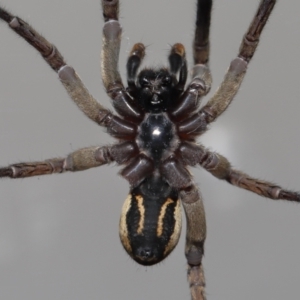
[[71, 81], [78, 160], [195, 238], [235, 74], [220, 167], [112, 31], [186, 109], [112, 81], [201, 38], [200, 72]]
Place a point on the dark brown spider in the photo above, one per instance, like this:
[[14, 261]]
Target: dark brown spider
[[157, 128]]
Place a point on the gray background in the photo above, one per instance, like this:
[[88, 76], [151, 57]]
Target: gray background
[[59, 234]]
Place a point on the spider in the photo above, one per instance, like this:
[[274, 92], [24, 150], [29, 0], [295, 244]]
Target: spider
[[158, 123]]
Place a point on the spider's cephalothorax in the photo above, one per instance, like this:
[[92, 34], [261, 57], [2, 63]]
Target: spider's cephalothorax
[[156, 127]]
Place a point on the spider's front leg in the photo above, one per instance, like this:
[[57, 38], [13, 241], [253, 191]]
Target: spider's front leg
[[235, 74], [69, 78], [112, 81], [201, 78], [73, 84], [112, 31], [200, 71], [201, 38]]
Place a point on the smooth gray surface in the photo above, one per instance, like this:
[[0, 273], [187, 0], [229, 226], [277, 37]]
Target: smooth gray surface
[[59, 234]]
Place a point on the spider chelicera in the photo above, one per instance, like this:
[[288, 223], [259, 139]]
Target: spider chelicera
[[158, 123]]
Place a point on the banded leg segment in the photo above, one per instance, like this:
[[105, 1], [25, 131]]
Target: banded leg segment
[[220, 167], [79, 160], [112, 31], [195, 238], [46, 49], [235, 74], [260, 187], [201, 38], [201, 75], [71, 81], [251, 38], [201, 78], [111, 77]]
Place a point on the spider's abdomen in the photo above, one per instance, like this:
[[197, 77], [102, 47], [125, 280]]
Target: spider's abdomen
[[150, 222], [157, 136]]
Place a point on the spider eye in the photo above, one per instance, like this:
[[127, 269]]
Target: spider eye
[[166, 81], [144, 82]]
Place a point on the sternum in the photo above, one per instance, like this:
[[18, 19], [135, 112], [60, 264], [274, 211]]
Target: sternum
[[157, 136]]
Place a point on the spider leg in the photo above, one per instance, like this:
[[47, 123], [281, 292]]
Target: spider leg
[[220, 167], [199, 86], [235, 74], [74, 86], [112, 31], [111, 78], [78, 160], [71, 81], [200, 72], [201, 77], [201, 38], [195, 237], [46, 49], [178, 177]]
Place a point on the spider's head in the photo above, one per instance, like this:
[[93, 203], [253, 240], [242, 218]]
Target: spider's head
[[155, 89], [150, 223]]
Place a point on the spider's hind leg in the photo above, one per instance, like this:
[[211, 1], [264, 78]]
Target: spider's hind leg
[[195, 238], [178, 177]]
